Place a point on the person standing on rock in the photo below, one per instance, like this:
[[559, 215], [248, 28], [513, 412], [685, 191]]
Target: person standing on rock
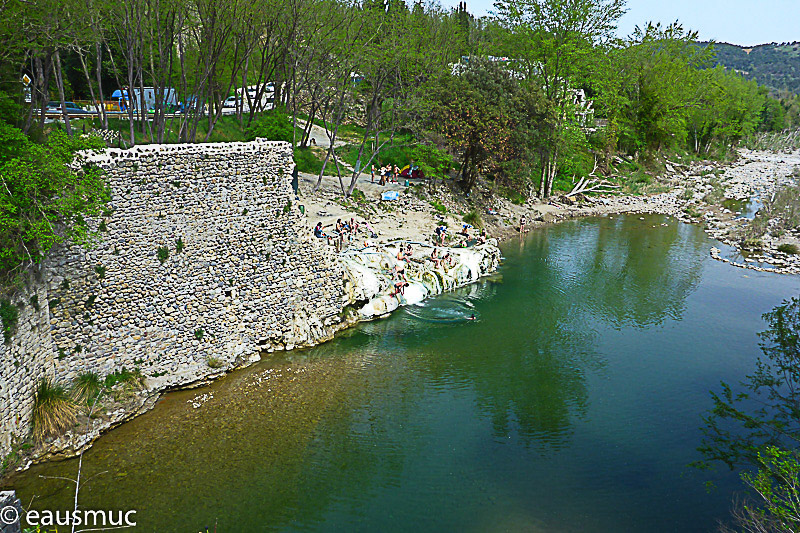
[[522, 224]]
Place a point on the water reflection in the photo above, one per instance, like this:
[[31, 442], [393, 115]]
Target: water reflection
[[422, 418], [631, 276]]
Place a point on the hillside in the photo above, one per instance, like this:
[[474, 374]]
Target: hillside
[[776, 65]]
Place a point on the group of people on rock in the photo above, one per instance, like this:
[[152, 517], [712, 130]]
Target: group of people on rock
[[347, 229], [464, 236]]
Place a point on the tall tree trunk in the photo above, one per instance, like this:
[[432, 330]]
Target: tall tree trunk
[[60, 84], [98, 72]]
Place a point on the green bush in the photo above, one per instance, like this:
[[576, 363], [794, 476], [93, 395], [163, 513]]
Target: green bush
[[359, 196], [752, 244], [788, 248], [9, 315], [179, 245], [438, 206], [44, 194], [273, 126], [306, 161]]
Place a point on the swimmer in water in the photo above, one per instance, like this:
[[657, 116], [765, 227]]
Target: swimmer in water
[[472, 317]]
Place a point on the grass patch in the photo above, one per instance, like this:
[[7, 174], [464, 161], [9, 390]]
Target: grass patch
[[227, 129], [474, 218], [53, 410], [788, 248], [438, 206], [87, 387], [133, 378], [214, 362], [309, 161]]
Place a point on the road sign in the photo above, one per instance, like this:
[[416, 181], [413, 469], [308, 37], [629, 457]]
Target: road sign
[[26, 80]]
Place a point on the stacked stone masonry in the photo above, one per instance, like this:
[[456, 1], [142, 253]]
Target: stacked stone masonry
[[241, 275]]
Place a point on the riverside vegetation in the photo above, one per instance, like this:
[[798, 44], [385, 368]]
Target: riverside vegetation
[[526, 104]]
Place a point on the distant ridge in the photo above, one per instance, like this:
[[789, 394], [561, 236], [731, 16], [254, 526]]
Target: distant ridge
[[776, 65]]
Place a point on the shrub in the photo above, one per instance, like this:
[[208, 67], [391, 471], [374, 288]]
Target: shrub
[[438, 206], [101, 271], [163, 254], [473, 218], [273, 126], [35, 301], [752, 244], [9, 315], [179, 246], [87, 387], [359, 196], [198, 334], [788, 248], [53, 410], [213, 362], [306, 161]]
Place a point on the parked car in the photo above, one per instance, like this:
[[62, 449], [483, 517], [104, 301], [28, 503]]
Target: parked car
[[72, 108]]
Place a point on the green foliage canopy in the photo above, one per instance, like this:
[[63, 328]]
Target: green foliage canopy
[[42, 200]]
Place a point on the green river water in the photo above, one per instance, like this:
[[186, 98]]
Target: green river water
[[572, 403]]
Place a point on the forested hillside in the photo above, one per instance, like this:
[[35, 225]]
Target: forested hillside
[[776, 65]]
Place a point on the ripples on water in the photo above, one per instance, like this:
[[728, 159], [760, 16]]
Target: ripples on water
[[572, 404]]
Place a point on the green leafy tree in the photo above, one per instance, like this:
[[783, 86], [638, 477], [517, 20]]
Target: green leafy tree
[[759, 426], [766, 411], [777, 488], [42, 200], [474, 112], [552, 43]]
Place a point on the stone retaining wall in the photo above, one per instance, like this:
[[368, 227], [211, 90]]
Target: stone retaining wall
[[242, 274]]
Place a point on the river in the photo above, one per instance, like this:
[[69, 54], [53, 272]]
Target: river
[[572, 402]]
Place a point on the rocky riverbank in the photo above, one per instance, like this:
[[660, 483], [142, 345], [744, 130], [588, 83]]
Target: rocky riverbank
[[709, 193]]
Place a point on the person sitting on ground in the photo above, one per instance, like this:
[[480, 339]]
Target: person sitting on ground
[[318, 233], [401, 256], [482, 236], [448, 260], [409, 252], [399, 271], [437, 261], [465, 230]]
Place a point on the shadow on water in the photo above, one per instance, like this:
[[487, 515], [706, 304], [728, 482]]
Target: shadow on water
[[431, 421]]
